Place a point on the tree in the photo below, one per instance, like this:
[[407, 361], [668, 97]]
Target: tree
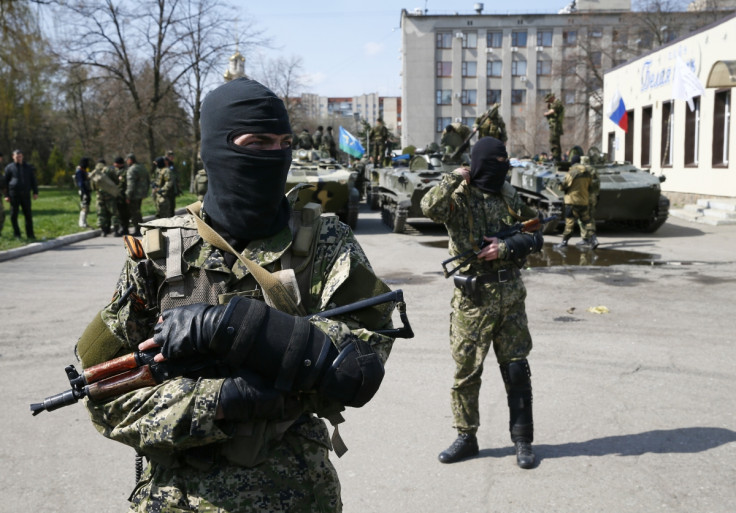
[[204, 43], [284, 77]]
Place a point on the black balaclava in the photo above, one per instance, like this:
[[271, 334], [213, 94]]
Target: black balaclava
[[486, 171], [245, 197]]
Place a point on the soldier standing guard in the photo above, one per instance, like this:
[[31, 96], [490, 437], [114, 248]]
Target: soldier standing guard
[[228, 438], [105, 181], [137, 180], [577, 186], [555, 118], [488, 301], [379, 141]]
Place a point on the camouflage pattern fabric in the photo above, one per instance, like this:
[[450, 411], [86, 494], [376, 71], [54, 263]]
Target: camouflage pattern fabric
[[493, 125], [137, 181], [200, 184], [555, 120], [496, 317], [578, 185], [379, 140], [173, 424], [123, 210], [164, 189]]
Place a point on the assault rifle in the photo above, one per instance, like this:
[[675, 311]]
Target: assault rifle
[[138, 369], [532, 225]]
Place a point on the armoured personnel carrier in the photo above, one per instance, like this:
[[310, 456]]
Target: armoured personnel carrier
[[333, 185], [398, 191], [629, 197]]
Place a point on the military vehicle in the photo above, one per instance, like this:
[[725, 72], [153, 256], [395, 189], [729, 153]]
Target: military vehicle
[[333, 185], [630, 198], [398, 191]]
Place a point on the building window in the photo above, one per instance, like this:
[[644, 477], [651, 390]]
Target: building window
[[493, 68], [518, 96], [469, 97], [568, 96], [493, 96], [595, 59], [544, 38], [442, 123], [494, 39], [596, 32], [541, 93], [518, 38], [470, 39], [629, 138], [444, 68], [611, 146], [444, 96], [444, 39], [544, 67], [645, 40], [468, 121], [692, 133], [469, 68], [721, 124], [667, 134], [518, 68], [570, 37], [646, 136]]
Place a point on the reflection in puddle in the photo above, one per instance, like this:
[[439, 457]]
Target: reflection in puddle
[[578, 255]]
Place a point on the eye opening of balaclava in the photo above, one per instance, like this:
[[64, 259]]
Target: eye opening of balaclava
[[245, 197], [487, 172]]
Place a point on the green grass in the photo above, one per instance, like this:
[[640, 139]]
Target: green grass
[[56, 213]]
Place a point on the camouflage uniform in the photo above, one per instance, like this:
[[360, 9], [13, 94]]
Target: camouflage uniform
[[451, 140], [493, 125], [555, 118], [123, 209], [577, 186], [328, 148], [379, 140], [305, 141], [194, 460], [495, 316], [317, 137], [200, 184], [137, 180], [164, 188], [107, 203]]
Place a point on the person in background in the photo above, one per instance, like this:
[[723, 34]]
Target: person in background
[[20, 182]]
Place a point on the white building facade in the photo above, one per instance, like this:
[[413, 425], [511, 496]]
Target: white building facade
[[694, 149]]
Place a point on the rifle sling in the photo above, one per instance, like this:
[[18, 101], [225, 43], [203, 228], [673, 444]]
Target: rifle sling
[[274, 291]]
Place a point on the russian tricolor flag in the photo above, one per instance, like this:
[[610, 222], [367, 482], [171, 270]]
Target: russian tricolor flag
[[617, 112]]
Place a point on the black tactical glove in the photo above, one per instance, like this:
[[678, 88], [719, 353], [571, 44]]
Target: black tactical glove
[[247, 397], [187, 330]]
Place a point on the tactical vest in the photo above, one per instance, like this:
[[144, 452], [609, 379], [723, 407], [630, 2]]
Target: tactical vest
[[165, 246]]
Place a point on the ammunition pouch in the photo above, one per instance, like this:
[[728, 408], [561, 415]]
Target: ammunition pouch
[[469, 286]]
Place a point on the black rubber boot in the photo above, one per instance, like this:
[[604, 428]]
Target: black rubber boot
[[517, 378], [464, 446]]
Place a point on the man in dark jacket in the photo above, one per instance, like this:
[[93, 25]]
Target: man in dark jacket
[[20, 180]]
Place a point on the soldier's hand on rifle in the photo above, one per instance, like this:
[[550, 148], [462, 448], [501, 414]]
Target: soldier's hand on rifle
[[464, 172], [185, 331], [490, 251], [247, 397]]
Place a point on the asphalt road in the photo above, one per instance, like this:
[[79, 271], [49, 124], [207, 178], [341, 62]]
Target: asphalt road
[[634, 408]]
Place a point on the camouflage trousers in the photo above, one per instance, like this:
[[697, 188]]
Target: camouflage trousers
[[107, 211], [555, 147], [499, 320], [134, 212], [575, 214], [297, 477]]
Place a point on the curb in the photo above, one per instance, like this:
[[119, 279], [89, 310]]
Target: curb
[[37, 247]]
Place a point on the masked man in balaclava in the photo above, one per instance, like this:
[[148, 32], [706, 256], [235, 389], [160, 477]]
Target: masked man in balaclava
[[488, 301], [240, 430]]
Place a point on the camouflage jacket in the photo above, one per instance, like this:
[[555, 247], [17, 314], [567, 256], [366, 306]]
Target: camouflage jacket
[[137, 180], [167, 422], [469, 214], [577, 185], [164, 184]]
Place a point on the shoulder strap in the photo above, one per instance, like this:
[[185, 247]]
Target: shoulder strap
[[275, 293]]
